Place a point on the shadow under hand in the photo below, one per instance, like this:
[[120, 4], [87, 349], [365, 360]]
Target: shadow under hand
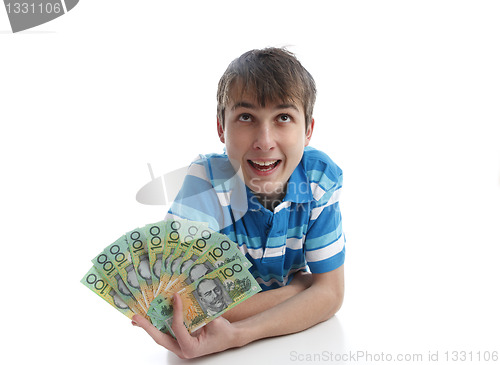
[[319, 344]]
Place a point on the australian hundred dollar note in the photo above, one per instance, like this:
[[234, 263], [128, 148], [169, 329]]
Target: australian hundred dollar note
[[119, 254], [172, 240], [210, 296], [196, 249], [138, 248], [104, 264], [155, 239], [222, 252], [98, 284], [188, 231]]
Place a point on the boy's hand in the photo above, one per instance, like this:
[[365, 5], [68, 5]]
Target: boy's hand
[[321, 299], [216, 336]]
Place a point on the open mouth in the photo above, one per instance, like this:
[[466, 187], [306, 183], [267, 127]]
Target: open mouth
[[264, 166]]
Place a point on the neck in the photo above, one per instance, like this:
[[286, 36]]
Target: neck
[[270, 201]]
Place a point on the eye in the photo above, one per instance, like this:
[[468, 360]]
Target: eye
[[245, 117], [284, 118]]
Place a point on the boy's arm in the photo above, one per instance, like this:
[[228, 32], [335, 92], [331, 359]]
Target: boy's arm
[[267, 299], [313, 305]]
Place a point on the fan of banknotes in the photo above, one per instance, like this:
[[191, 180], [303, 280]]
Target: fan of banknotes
[[139, 272]]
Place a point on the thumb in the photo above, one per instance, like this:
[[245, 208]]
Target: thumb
[[178, 326]]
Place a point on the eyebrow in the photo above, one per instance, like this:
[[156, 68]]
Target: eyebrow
[[244, 104]]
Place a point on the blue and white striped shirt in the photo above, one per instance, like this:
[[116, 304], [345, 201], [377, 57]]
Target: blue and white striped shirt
[[304, 232]]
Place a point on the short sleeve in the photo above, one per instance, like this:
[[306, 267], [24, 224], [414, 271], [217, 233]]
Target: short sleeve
[[325, 241], [211, 193], [197, 200]]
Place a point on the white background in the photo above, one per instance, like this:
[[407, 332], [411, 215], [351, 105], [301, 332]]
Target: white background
[[408, 106]]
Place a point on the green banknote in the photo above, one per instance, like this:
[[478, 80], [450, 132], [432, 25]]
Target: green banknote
[[222, 252], [98, 284], [162, 309], [119, 254], [210, 296], [188, 232], [139, 272], [197, 248], [104, 264], [172, 240], [155, 238], [138, 247]]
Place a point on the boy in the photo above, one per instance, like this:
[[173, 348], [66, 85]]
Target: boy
[[288, 222]]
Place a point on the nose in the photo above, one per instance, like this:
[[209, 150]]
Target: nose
[[211, 296], [264, 137]]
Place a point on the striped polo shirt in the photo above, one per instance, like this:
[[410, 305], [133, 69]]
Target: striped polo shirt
[[304, 232]]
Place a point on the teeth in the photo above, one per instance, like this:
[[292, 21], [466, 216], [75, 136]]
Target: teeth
[[267, 163]]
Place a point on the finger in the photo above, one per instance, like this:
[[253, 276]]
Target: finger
[[159, 337], [180, 331]]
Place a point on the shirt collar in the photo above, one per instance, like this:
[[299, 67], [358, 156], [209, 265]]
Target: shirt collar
[[298, 189]]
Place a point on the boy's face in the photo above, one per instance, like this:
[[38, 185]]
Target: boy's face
[[267, 142]]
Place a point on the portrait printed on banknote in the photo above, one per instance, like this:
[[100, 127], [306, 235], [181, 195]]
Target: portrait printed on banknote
[[212, 296], [199, 270]]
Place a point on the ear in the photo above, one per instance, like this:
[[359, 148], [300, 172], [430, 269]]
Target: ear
[[309, 133], [220, 131]]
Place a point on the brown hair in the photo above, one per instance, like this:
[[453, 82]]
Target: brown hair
[[271, 74]]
